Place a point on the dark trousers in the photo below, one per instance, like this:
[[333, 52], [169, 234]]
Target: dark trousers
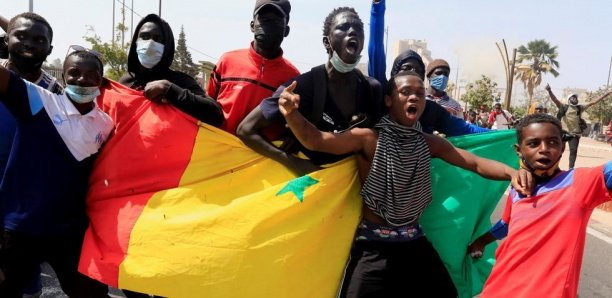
[[408, 269], [573, 149], [21, 256]]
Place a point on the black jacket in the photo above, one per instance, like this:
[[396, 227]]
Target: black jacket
[[185, 93]]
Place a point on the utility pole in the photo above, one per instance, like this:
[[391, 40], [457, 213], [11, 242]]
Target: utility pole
[[123, 25], [159, 8], [132, 20], [386, 39], [31, 6], [113, 36], [457, 83], [609, 71]]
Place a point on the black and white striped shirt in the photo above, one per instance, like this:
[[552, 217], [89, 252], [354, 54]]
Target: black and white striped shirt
[[398, 186]]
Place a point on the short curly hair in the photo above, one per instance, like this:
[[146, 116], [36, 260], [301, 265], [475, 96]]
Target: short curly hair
[[537, 118], [30, 16], [392, 85], [330, 18]]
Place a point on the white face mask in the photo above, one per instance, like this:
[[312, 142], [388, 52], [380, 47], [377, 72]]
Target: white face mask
[[342, 66], [149, 52], [80, 94]]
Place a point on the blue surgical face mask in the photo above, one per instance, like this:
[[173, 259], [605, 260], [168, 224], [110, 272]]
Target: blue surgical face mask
[[439, 82], [342, 66], [149, 52], [80, 94]]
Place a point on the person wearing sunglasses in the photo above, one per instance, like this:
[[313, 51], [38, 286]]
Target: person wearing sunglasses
[[150, 56], [46, 178]]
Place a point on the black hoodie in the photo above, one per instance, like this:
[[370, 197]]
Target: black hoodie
[[185, 93]]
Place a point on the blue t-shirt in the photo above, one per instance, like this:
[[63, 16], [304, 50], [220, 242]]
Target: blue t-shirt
[[45, 183], [500, 229], [8, 124]]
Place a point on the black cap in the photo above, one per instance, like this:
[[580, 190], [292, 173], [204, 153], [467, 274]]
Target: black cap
[[283, 6]]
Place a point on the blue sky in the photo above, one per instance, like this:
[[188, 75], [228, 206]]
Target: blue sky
[[462, 32]]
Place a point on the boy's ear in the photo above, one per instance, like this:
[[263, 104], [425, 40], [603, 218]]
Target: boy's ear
[[517, 149], [252, 26], [562, 147], [50, 50], [388, 100], [326, 42]]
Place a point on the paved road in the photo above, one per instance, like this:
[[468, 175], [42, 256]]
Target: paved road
[[596, 276]]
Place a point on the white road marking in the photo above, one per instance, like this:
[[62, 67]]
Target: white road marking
[[599, 235]]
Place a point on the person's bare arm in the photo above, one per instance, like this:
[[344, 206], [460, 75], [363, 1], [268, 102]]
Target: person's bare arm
[[484, 167], [476, 248], [249, 132], [552, 96], [591, 103], [312, 138]]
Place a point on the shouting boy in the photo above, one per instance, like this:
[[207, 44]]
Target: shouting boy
[[393, 160], [542, 255]]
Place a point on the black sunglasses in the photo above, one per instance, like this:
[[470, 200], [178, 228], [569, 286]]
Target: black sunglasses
[[76, 48]]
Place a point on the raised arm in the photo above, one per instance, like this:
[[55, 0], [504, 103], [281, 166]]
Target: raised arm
[[4, 23], [376, 49], [552, 96], [312, 138], [591, 103]]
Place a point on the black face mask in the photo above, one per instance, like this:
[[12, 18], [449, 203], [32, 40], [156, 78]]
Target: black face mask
[[25, 64], [269, 38]]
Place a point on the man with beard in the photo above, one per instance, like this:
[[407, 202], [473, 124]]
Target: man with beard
[[335, 96], [149, 59], [27, 44], [243, 78], [570, 115]]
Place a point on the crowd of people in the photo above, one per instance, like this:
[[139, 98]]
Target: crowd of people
[[53, 128]]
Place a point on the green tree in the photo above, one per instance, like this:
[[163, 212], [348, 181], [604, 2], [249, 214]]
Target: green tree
[[182, 57], [114, 55], [518, 112], [535, 59], [480, 92], [602, 111], [450, 89]]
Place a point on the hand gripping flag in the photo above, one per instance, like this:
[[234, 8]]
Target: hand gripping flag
[[182, 209]]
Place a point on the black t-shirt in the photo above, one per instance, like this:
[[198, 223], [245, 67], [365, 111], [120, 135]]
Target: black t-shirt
[[368, 102]]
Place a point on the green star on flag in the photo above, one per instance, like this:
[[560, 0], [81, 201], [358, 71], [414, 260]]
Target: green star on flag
[[298, 186]]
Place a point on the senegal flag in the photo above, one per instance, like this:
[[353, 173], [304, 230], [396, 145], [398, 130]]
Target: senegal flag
[[182, 209]]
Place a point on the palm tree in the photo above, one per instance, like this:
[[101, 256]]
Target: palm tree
[[534, 60]]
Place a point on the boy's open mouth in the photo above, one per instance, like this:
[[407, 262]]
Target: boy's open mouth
[[543, 161], [412, 110], [352, 46]]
